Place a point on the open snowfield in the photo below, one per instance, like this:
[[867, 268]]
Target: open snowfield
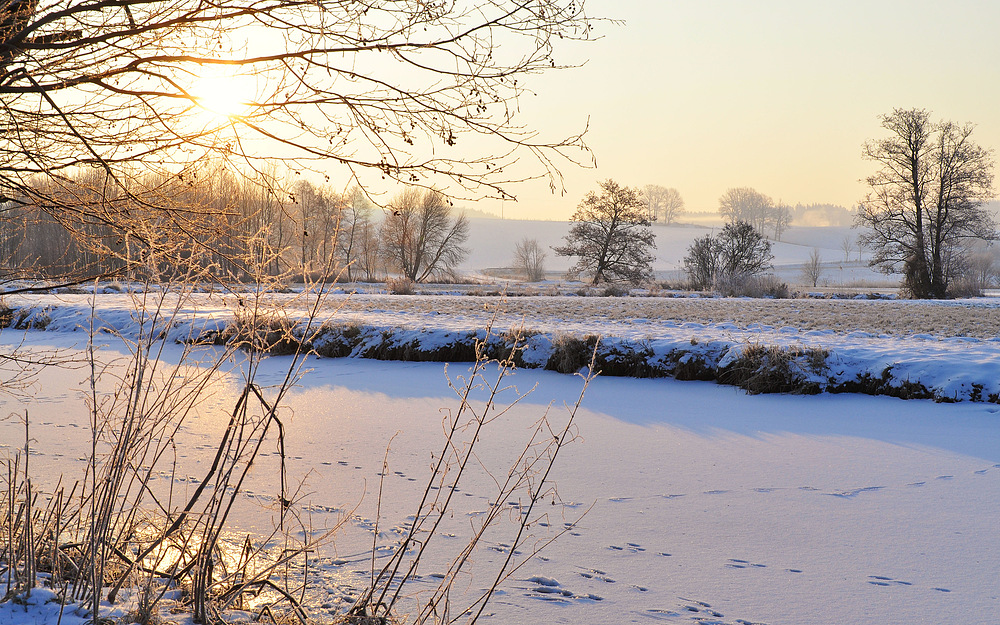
[[684, 502]]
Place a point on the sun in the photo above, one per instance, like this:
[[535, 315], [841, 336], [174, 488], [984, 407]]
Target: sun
[[221, 95]]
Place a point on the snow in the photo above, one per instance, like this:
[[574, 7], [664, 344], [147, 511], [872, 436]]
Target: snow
[[491, 244], [683, 501], [951, 367]]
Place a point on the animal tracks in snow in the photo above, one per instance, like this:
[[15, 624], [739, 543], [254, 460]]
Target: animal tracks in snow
[[847, 494], [549, 589], [628, 547], [885, 581], [694, 611], [841, 493]]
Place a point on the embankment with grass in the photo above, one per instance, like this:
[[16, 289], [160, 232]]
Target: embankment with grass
[[756, 357]]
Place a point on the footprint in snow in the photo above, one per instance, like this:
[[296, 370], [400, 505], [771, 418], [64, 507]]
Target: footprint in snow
[[597, 574], [848, 494], [700, 607], [661, 615], [885, 581], [549, 589], [882, 580]]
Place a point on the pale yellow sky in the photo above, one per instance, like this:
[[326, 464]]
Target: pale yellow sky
[[778, 95]]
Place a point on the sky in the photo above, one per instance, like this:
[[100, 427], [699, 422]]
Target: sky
[[778, 95]]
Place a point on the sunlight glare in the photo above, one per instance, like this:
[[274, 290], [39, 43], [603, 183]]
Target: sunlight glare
[[223, 95]]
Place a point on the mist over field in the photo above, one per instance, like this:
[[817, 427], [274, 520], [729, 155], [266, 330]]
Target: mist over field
[[491, 244]]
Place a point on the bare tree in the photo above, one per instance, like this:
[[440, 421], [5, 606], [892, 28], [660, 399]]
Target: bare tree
[[813, 268], [369, 256], [925, 200], [371, 90], [756, 209], [847, 244], [743, 250], [663, 205], [529, 259], [354, 224], [419, 236], [746, 204], [781, 220], [611, 236], [313, 223], [737, 252], [702, 262], [979, 270]]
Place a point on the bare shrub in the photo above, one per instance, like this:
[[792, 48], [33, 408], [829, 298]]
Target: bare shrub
[[117, 527], [978, 272], [6, 313], [264, 331], [744, 285], [526, 481], [739, 250], [399, 285], [965, 286]]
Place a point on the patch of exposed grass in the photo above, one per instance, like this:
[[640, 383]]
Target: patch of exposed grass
[[772, 369], [571, 353], [884, 384]]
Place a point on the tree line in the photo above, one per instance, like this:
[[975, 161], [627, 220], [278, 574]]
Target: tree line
[[235, 227], [922, 218]]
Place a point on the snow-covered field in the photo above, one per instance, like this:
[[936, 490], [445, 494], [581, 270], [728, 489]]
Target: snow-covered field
[[491, 244], [685, 502]]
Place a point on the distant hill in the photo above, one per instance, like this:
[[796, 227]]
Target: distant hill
[[475, 213]]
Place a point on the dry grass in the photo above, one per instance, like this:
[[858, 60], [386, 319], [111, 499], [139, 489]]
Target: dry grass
[[897, 318]]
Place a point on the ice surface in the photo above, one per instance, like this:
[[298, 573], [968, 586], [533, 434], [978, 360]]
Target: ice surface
[[681, 501]]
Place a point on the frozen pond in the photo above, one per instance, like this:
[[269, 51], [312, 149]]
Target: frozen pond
[[688, 502]]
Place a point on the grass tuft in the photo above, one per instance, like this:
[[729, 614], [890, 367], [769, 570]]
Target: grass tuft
[[773, 369]]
